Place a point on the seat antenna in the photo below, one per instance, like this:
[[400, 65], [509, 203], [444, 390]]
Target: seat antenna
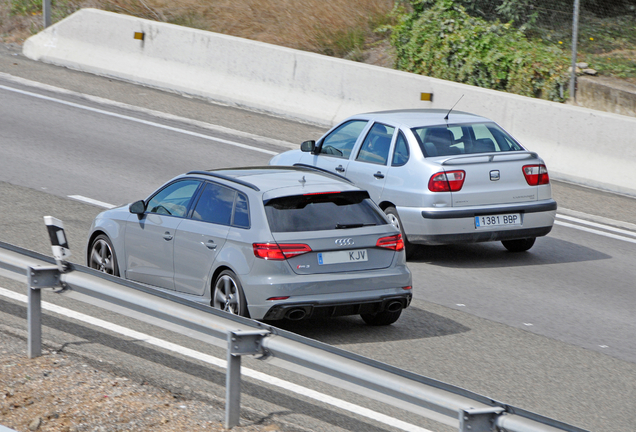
[[449, 111]]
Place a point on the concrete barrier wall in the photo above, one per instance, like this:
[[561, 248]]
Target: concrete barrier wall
[[585, 146]]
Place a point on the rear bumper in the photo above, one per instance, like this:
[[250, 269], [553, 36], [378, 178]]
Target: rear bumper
[[347, 293], [435, 226], [297, 311]]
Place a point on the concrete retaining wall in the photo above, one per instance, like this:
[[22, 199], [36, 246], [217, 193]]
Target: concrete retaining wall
[[581, 145]]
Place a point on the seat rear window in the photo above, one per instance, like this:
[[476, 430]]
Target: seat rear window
[[319, 212], [464, 139]]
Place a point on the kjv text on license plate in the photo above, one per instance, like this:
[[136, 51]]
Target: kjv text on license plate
[[343, 257], [497, 220]]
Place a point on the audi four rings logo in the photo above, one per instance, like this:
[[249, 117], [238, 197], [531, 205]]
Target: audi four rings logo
[[345, 242]]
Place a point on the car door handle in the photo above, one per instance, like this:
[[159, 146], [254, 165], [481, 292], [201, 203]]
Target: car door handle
[[378, 175], [210, 245], [167, 236], [339, 168]]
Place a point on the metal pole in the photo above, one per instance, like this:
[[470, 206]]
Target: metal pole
[[46, 12], [34, 316], [575, 38], [232, 385]]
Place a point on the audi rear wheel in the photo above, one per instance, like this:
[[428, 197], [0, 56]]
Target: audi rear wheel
[[228, 294]]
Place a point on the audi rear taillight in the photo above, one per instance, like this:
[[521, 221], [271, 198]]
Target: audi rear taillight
[[536, 174], [393, 242], [449, 181], [279, 252]]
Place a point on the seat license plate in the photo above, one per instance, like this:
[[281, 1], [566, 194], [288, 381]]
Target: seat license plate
[[340, 257], [497, 220]]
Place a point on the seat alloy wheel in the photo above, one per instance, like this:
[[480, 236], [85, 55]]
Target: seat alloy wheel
[[228, 294], [102, 256]]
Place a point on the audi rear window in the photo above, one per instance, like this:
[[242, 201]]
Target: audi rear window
[[320, 212]]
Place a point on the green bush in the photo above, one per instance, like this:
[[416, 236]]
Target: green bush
[[26, 7], [445, 42]]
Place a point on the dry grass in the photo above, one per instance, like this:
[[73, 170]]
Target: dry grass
[[334, 27]]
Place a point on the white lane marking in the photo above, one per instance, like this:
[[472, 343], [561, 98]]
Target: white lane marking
[[133, 119], [594, 231], [92, 201], [339, 403], [597, 225]]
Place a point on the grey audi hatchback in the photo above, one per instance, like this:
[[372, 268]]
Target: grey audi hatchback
[[263, 242]]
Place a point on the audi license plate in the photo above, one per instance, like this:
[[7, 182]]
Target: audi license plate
[[340, 257], [497, 220]]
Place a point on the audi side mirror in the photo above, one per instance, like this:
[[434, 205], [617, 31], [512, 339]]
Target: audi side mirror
[[308, 146], [138, 207]]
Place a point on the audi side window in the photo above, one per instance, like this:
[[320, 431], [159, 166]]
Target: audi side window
[[401, 152], [215, 204], [174, 199], [241, 212], [340, 142]]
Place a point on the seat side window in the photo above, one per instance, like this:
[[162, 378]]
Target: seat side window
[[376, 145], [340, 142], [215, 204], [401, 152], [174, 199]]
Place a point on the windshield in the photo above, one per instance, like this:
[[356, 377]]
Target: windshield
[[319, 212], [464, 139]]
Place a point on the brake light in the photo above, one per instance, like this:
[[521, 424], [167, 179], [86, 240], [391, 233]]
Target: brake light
[[321, 193], [279, 252], [393, 242], [450, 181], [536, 174], [278, 298]]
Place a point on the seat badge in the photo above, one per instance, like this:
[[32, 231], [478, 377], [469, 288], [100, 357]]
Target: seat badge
[[494, 175]]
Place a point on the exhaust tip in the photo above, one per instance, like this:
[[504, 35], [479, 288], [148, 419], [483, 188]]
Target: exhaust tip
[[296, 314], [394, 306]]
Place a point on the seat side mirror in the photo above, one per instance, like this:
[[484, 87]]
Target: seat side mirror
[[308, 146], [138, 207]]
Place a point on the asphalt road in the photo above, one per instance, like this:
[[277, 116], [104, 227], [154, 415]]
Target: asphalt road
[[551, 330]]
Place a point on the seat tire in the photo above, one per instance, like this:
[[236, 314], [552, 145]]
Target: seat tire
[[392, 214], [519, 245]]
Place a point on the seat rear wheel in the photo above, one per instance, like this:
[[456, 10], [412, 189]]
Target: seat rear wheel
[[228, 294], [392, 214], [102, 256], [520, 245]]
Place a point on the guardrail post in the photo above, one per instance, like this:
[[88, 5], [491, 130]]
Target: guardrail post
[[38, 278], [239, 343], [478, 420]]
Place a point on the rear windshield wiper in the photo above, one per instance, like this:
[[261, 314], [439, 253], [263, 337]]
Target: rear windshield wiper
[[353, 225]]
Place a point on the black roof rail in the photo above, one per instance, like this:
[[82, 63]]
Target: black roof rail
[[305, 167], [225, 177]]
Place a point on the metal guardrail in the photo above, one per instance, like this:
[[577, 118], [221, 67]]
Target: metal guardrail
[[414, 393]]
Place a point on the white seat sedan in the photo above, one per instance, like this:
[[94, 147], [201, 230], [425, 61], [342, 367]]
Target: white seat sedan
[[441, 177]]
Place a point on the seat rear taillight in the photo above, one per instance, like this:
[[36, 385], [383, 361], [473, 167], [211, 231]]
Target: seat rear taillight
[[536, 174], [393, 242], [279, 251], [449, 181]]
